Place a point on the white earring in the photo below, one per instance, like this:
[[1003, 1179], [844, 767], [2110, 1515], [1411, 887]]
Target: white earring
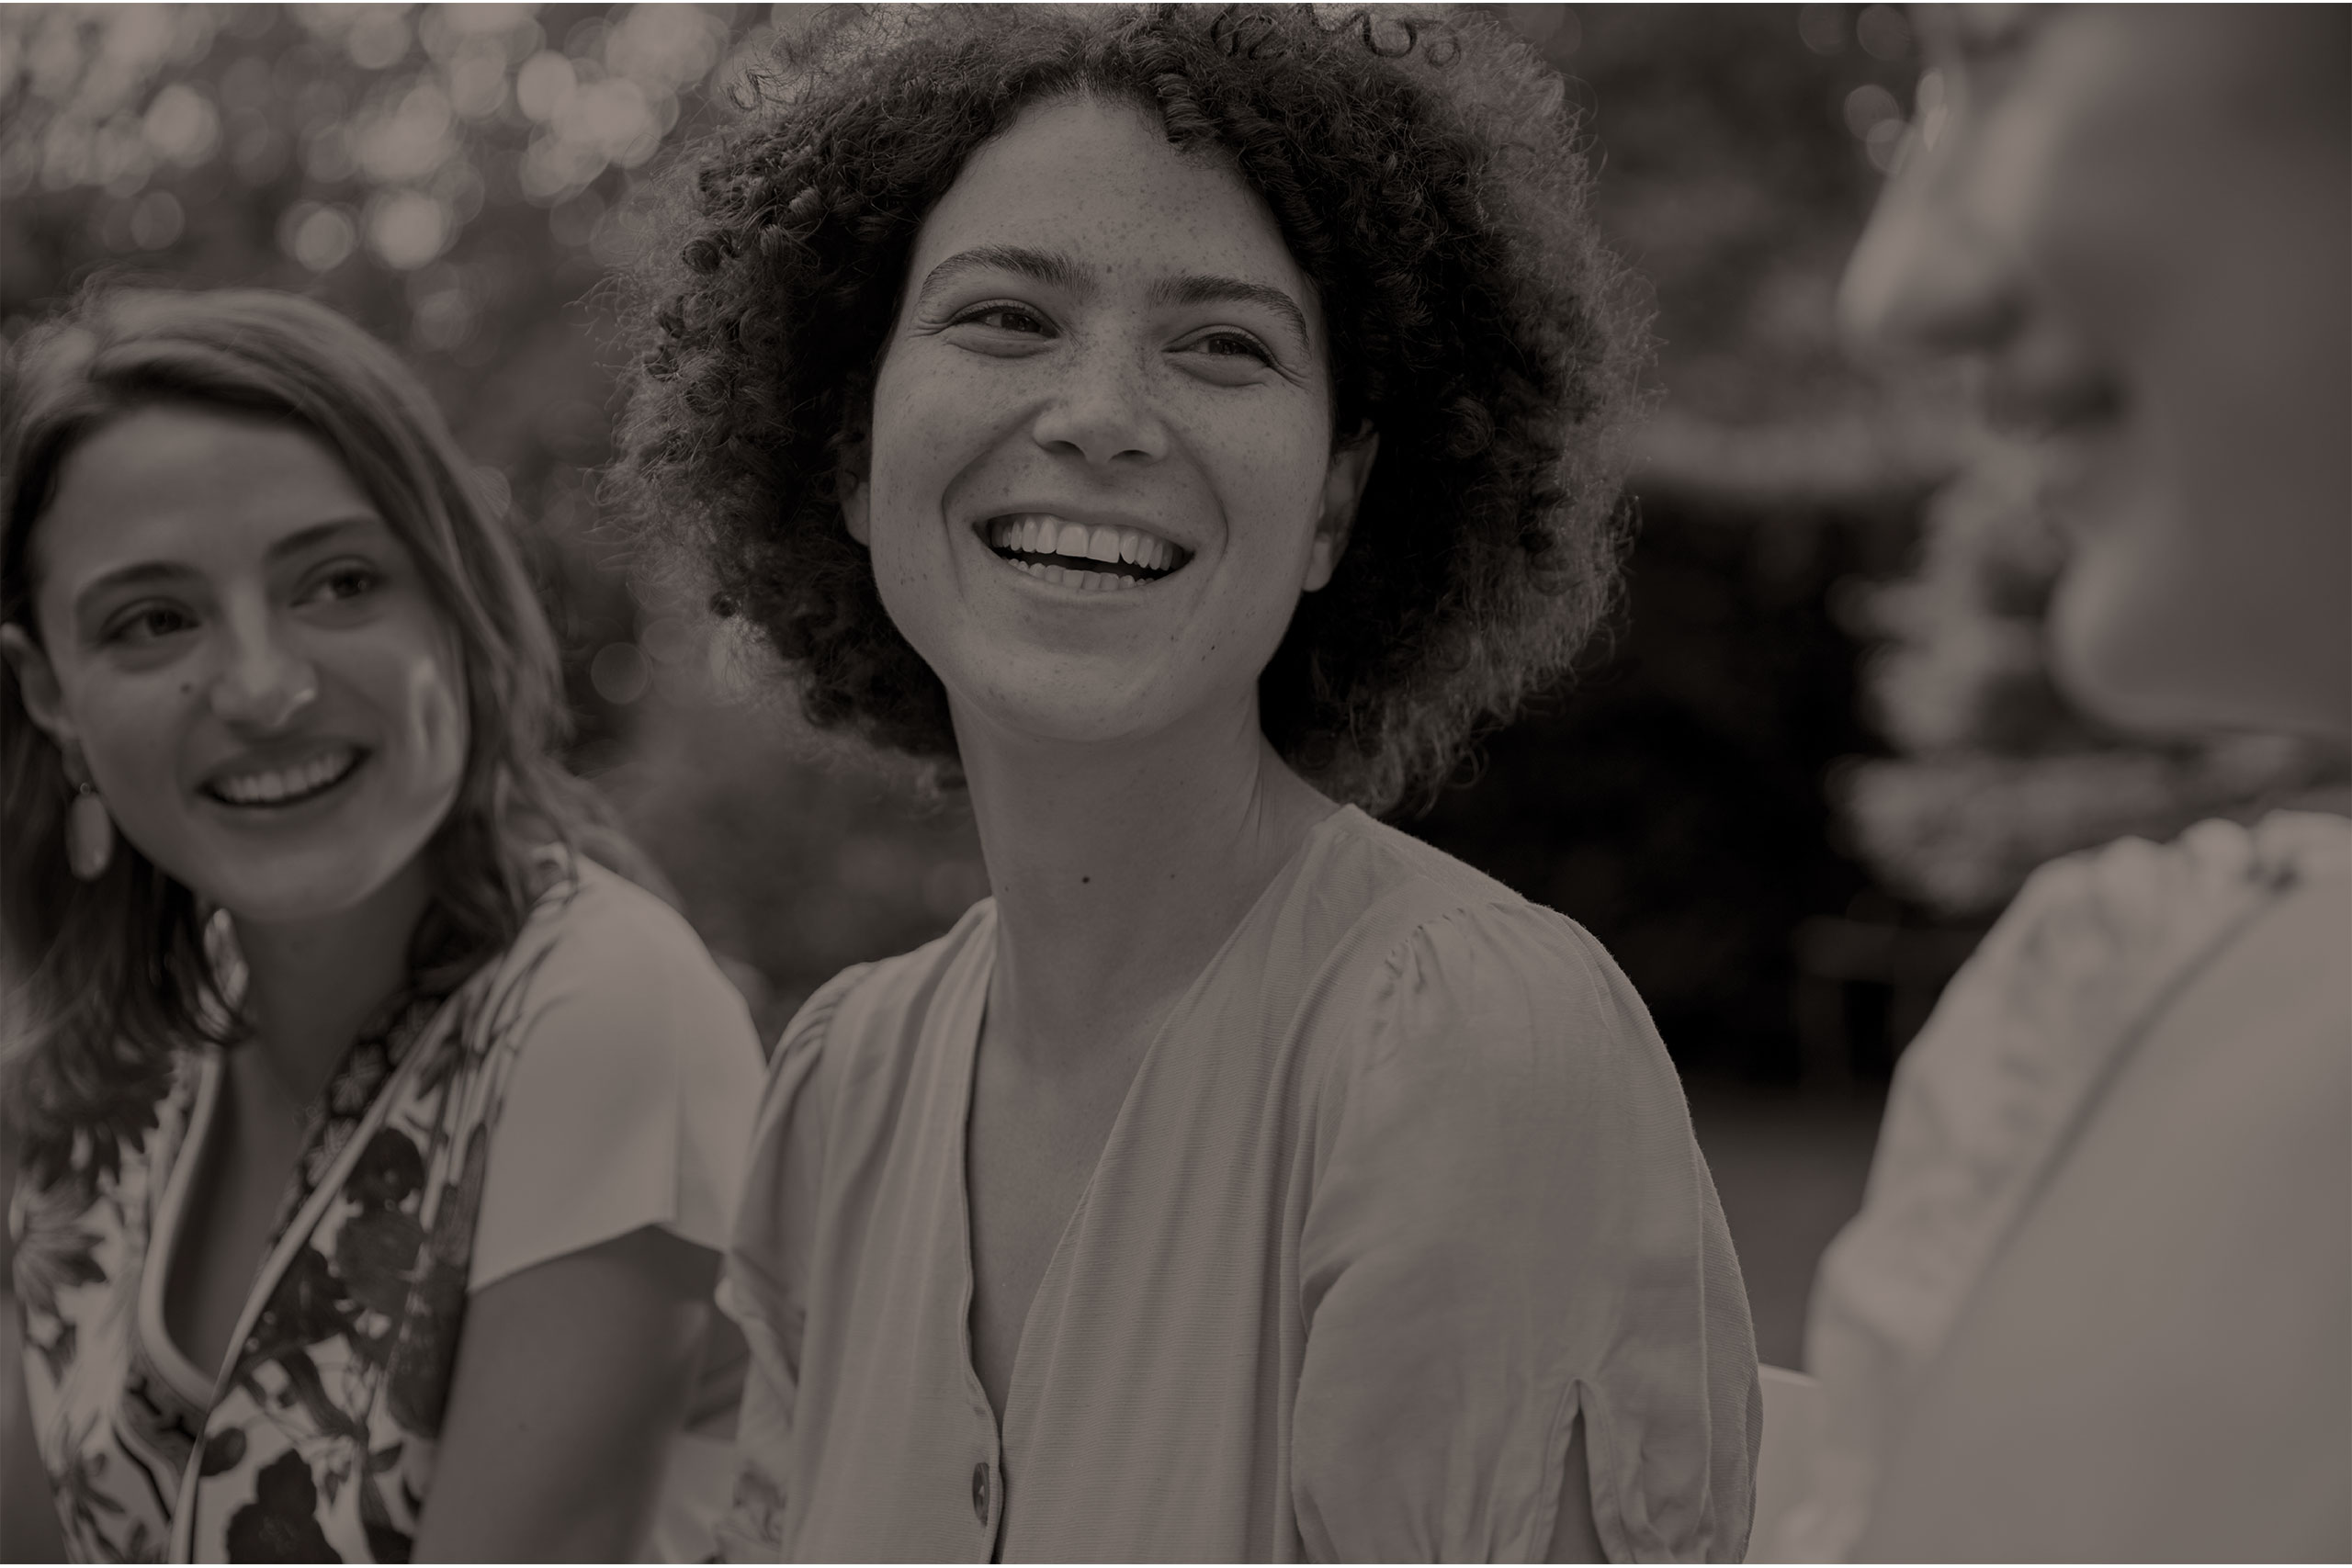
[[89, 833]]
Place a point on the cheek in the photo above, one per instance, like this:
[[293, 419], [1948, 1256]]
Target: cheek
[[929, 423], [129, 729], [1268, 462]]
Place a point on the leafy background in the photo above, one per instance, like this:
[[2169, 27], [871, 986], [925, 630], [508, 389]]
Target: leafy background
[[1818, 751]]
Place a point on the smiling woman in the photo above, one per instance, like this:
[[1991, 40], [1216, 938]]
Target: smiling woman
[[1181, 421], [365, 1123]]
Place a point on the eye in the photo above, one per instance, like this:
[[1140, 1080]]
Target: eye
[[343, 582], [1006, 317], [1230, 345], [149, 623]]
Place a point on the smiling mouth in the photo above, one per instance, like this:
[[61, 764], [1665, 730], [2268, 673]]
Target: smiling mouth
[[1098, 556], [271, 789]]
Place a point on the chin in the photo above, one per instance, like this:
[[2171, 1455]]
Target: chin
[[1067, 700], [2151, 674], [301, 894]]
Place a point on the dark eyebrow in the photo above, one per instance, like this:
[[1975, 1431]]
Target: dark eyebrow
[[169, 571], [1045, 266], [1195, 288], [319, 532]]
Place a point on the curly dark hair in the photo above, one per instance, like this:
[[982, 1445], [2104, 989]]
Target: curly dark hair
[[1426, 174]]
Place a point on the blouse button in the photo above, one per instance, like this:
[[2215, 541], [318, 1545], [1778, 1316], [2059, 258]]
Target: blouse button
[[980, 1491]]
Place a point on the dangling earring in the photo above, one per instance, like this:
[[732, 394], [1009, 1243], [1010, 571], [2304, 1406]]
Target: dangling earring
[[89, 833]]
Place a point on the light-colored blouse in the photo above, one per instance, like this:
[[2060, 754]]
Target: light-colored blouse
[[597, 1077], [1403, 1188], [2097, 1304]]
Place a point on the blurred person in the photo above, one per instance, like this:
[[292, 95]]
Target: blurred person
[[2097, 1304], [1185, 426], [375, 1144]]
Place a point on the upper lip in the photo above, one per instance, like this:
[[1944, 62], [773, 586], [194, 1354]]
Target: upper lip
[[277, 757]]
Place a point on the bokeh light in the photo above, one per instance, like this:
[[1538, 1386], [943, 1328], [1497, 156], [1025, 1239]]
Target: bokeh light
[[619, 673], [157, 220], [407, 228], [320, 237], [1884, 32]]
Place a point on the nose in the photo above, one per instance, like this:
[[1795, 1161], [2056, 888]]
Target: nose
[[264, 683], [1930, 276], [1103, 410]]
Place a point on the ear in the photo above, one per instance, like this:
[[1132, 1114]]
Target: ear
[[44, 699], [1343, 494], [850, 483]]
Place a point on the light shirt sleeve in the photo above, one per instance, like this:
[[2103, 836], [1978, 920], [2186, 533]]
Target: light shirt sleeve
[[1512, 1230], [633, 1092]]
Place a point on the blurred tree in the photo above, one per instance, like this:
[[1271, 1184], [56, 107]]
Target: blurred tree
[[1670, 796], [443, 175], [459, 178]]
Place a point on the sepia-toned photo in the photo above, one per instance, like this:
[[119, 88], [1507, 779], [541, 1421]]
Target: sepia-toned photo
[[1191, 783]]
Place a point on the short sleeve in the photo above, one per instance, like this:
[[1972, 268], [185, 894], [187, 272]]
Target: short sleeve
[[1511, 1228], [632, 1093], [761, 1286]]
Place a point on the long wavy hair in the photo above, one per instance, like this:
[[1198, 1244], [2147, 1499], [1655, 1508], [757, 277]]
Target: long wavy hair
[[100, 981]]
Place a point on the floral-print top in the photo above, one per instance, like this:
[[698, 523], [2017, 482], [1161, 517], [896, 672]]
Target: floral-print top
[[316, 1442]]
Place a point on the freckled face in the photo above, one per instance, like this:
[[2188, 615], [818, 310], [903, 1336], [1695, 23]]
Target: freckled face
[[1100, 469], [247, 659]]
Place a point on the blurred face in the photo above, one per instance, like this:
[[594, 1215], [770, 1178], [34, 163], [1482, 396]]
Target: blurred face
[[242, 654], [1100, 469], [2135, 220]]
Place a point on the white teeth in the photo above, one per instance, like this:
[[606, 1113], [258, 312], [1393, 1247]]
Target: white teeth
[[1039, 534], [283, 783]]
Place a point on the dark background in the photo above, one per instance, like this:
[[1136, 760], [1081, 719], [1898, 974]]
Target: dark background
[[1814, 757]]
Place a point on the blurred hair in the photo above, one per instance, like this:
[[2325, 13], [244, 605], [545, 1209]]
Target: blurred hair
[[105, 978], [1425, 176]]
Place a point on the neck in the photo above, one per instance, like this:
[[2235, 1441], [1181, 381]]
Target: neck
[[1119, 869], [311, 984]]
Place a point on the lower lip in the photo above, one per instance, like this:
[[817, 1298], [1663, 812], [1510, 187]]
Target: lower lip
[[1065, 586], [276, 811]]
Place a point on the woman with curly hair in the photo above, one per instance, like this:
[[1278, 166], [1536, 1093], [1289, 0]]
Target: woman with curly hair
[[375, 1144], [1186, 427]]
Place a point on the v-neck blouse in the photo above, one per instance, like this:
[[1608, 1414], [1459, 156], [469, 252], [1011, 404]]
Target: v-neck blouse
[[1405, 1186], [612, 1063]]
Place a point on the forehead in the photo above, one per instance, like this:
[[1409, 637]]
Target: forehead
[[190, 487], [1098, 181]]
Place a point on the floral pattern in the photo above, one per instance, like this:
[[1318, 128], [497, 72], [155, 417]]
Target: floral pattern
[[318, 1443]]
